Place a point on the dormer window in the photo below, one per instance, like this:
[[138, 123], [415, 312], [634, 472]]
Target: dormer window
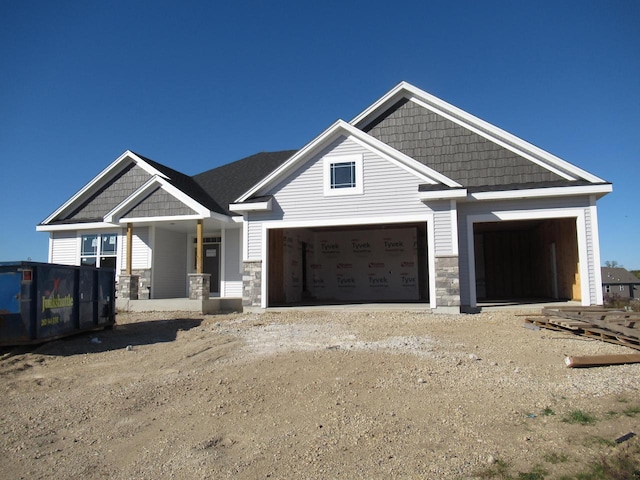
[[343, 175]]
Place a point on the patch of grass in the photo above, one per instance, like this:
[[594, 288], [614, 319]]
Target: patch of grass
[[536, 473], [622, 400], [578, 416], [500, 469], [595, 440], [624, 464], [611, 414], [555, 458], [631, 411], [547, 412]]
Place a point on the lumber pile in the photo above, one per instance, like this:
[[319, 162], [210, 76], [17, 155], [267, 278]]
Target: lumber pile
[[606, 324]]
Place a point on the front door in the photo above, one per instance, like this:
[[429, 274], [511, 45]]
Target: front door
[[211, 262]]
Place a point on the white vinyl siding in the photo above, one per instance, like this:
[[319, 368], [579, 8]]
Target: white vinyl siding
[[169, 274], [141, 250], [65, 248], [390, 191], [254, 234], [232, 273], [443, 236]]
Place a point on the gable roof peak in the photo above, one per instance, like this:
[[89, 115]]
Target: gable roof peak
[[407, 91], [334, 131]]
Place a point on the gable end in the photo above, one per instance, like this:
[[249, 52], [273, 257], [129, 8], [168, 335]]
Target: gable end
[[108, 196], [454, 150], [159, 203]]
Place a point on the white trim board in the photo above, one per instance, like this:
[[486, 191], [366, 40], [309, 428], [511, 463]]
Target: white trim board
[[544, 192], [76, 226], [514, 215]]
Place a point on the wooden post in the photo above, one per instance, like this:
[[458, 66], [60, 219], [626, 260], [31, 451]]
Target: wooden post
[[129, 248], [601, 360], [199, 261]]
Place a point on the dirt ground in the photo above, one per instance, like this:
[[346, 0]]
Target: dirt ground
[[311, 394]]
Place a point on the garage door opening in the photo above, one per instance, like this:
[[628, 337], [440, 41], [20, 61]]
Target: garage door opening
[[527, 260], [347, 265]]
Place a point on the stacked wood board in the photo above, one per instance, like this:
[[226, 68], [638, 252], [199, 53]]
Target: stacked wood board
[[609, 325]]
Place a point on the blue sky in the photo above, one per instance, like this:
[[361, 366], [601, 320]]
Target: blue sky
[[195, 84]]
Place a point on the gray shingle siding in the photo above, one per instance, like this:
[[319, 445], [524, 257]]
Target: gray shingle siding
[[110, 195], [453, 150], [159, 204]]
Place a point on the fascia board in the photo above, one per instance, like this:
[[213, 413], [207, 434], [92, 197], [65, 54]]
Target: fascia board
[[348, 221], [382, 103], [96, 182], [443, 194], [174, 218], [251, 207], [145, 166], [184, 198], [544, 192], [496, 134], [75, 226], [167, 218], [155, 181]]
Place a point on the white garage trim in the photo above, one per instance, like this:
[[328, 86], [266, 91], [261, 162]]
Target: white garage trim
[[348, 222], [515, 215]]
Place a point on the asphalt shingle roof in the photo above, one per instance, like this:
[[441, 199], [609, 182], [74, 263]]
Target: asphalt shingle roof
[[218, 187], [616, 276], [228, 182]]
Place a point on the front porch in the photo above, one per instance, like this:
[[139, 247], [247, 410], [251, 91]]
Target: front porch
[[204, 305]]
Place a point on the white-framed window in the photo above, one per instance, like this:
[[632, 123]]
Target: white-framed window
[[343, 175], [99, 249]]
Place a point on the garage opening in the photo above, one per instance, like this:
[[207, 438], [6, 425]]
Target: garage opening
[[529, 259], [346, 265]]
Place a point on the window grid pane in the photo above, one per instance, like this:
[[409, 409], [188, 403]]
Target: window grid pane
[[109, 244], [343, 175], [89, 245]]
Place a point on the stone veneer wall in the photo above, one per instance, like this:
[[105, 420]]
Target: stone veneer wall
[[447, 282], [128, 287], [199, 286], [144, 283], [252, 284]]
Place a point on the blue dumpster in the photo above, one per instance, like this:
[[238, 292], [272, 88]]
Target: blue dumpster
[[43, 301]]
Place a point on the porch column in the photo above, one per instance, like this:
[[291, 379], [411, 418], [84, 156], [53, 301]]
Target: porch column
[[128, 284], [199, 282], [199, 262], [129, 248]]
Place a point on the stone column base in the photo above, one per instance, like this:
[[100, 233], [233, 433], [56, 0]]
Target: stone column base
[[252, 284], [128, 287], [199, 286], [447, 284]]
